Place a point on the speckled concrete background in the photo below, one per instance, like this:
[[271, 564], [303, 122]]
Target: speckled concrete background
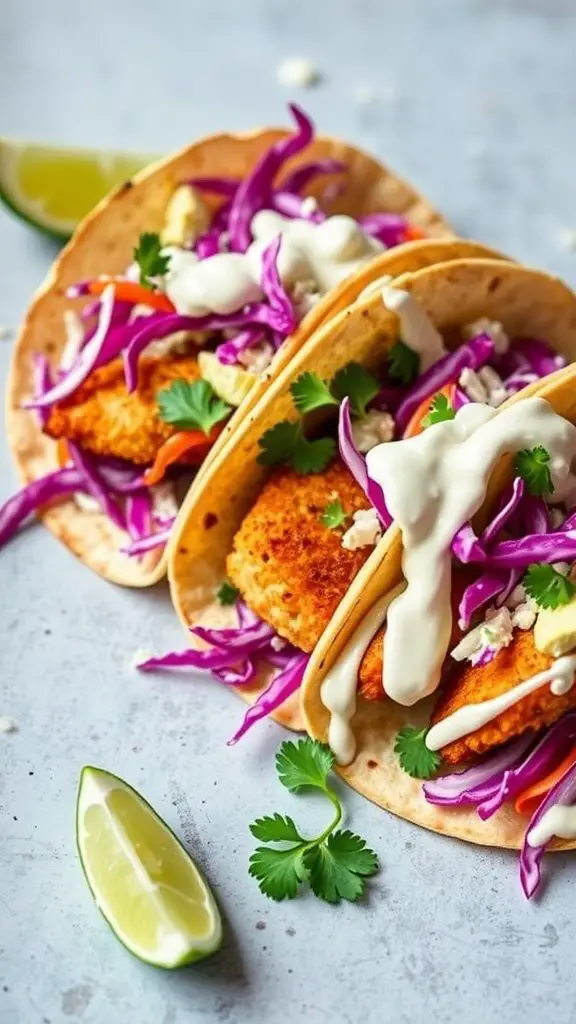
[[477, 103]]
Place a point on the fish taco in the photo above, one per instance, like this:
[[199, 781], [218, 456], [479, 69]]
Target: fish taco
[[165, 317], [270, 542], [445, 683]]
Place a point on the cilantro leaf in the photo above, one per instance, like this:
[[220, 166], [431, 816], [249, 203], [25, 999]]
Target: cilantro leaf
[[548, 587], [355, 383], [404, 363], [278, 872], [313, 456], [275, 829], [227, 593], [440, 410], [337, 868], [335, 864], [310, 392], [191, 405], [333, 515], [415, 758], [148, 255], [306, 763], [285, 443], [532, 464]]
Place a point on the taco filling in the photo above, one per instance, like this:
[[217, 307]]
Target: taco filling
[[158, 358], [485, 624], [319, 516]]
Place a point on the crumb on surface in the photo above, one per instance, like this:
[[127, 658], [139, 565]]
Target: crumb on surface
[[8, 724], [567, 238], [298, 73]]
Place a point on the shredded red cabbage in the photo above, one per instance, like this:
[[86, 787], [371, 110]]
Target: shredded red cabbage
[[274, 289], [508, 505], [281, 687], [59, 484], [467, 547], [294, 207], [356, 463], [218, 185], [478, 594], [472, 354], [520, 553], [253, 192], [86, 465], [563, 793], [42, 384], [301, 176], [139, 515], [474, 785], [387, 228], [229, 351]]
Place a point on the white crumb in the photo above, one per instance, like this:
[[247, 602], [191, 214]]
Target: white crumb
[[298, 73], [139, 656], [567, 238], [5, 333], [8, 725]]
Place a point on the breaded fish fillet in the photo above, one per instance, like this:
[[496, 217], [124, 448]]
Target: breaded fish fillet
[[290, 568], [470, 684], [104, 419]]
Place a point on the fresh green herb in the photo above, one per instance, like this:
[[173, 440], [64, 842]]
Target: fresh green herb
[[548, 587], [310, 392], [336, 863], [191, 405], [354, 382], [404, 363], [440, 411], [285, 443], [227, 593], [150, 259], [333, 515], [532, 464], [415, 758]]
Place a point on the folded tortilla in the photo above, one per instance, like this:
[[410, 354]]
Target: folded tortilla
[[527, 303], [104, 243]]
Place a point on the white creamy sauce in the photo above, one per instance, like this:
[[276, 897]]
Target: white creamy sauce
[[434, 483], [322, 255], [471, 717], [559, 821], [416, 329], [338, 690]]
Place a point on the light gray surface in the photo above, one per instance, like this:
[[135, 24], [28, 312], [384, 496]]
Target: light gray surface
[[479, 109]]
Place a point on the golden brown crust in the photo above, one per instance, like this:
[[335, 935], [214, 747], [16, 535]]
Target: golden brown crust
[[106, 420], [290, 568], [475, 683]]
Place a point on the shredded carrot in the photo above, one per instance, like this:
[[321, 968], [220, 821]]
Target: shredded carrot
[[531, 798], [412, 233], [194, 444], [414, 425], [62, 452], [130, 291]]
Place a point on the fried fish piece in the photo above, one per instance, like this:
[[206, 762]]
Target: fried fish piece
[[105, 419], [471, 684], [290, 568]]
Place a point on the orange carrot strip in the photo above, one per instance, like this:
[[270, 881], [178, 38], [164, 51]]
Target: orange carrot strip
[[414, 425], [130, 291], [62, 452], [531, 797], [192, 443], [412, 233]]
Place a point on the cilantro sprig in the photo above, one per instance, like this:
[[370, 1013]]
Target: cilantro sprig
[[441, 410], [336, 863], [227, 593], [403, 363], [191, 405], [286, 442], [533, 465], [415, 758], [333, 515], [548, 587], [151, 261]]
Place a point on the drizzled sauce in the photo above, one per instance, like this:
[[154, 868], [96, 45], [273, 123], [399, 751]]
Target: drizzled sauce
[[416, 329], [559, 821], [470, 717], [434, 483], [317, 255]]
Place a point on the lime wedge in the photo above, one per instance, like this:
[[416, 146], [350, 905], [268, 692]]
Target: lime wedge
[[143, 881], [54, 188]]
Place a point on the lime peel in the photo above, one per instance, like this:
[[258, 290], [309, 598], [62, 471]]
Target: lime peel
[[143, 881]]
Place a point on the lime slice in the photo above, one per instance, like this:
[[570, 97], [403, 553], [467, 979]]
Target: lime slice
[[54, 188], [147, 887]]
